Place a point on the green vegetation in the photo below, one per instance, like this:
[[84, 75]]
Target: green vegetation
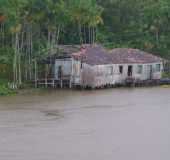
[[4, 90], [166, 75], [30, 29]]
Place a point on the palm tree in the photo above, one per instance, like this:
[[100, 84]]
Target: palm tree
[[78, 12], [14, 20], [56, 19], [87, 13], [94, 19]]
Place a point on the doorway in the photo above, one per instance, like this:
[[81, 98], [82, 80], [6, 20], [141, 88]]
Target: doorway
[[149, 71], [130, 71], [60, 72]]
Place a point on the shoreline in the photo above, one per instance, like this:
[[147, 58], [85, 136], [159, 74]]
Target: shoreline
[[28, 91]]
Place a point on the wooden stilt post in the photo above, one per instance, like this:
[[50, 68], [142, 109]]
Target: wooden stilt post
[[61, 83], [70, 84], [46, 85], [72, 75], [36, 83], [53, 83], [35, 66]]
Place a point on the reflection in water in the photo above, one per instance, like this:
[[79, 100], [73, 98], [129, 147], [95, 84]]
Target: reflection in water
[[79, 125]]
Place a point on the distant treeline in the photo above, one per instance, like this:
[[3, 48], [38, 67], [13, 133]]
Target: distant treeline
[[30, 29]]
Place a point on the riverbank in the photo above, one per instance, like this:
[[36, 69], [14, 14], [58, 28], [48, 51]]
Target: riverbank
[[42, 91], [4, 89], [28, 89]]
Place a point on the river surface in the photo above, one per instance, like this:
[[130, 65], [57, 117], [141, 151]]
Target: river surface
[[113, 124]]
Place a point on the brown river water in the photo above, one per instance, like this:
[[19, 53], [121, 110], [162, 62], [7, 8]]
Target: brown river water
[[113, 124]]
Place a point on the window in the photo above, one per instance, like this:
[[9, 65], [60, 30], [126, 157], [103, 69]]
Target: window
[[158, 67], [81, 65], [121, 69], [130, 71], [140, 69]]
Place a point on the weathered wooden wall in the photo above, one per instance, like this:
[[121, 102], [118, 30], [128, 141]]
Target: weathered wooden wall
[[101, 75]]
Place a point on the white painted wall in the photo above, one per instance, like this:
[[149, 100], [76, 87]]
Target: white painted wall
[[66, 67], [141, 76], [98, 75], [70, 68], [95, 76], [76, 72]]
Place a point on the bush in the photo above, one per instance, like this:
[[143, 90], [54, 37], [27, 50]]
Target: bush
[[4, 90], [165, 75]]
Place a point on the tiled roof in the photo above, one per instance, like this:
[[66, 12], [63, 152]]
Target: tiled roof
[[94, 55], [128, 55], [98, 55]]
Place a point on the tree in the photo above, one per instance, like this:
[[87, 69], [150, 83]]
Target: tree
[[13, 12], [88, 14]]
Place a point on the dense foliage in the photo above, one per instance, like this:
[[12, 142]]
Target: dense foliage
[[135, 23], [29, 29], [4, 89]]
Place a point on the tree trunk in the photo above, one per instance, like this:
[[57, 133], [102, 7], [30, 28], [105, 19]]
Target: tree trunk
[[15, 60], [93, 35], [80, 34], [84, 34], [157, 38], [35, 74], [58, 35], [89, 35]]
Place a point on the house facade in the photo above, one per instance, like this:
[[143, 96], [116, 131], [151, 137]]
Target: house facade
[[136, 64], [88, 66], [94, 66]]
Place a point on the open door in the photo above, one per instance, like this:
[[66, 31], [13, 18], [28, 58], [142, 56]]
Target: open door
[[60, 72]]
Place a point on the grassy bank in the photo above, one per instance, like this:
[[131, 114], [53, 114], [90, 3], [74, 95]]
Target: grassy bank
[[4, 89]]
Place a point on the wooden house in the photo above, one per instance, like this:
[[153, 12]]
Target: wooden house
[[135, 64], [94, 66], [86, 66]]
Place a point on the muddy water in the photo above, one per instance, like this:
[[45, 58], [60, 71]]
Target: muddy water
[[118, 124]]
